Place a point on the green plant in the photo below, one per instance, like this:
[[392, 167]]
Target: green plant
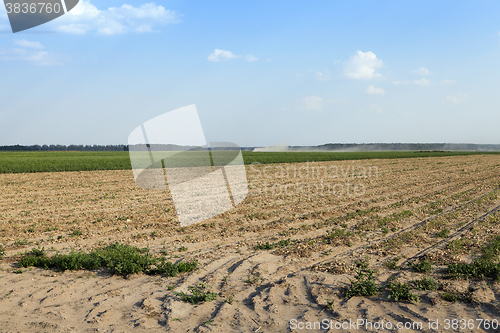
[[425, 284], [483, 267], [271, 246], [458, 246], [199, 293], [453, 297], [422, 266], [362, 263], [169, 269], [491, 251], [2, 252], [210, 321], [118, 258], [444, 233], [37, 252], [479, 269], [330, 303], [327, 252], [124, 259], [252, 279], [392, 263], [449, 296], [401, 291], [21, 242], [182, 249], [76, 233], [229, 299], [363, 285], [339, 233]]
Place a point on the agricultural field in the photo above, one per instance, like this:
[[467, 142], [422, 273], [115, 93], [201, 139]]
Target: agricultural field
[[54, 161], [403, 240], [58, 161]]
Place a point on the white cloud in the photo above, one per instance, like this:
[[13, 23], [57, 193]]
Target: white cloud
[[76, 29], [363, 65], [251, 57], [268, 59], [86, 17], [221, 55], [40, 57], [447, 82], [375, 91], [422, 82], [321, 76], [28, 44], [458, 99], [36, 56], [84, 9], [422, 71], [401, 82], [144, 28], [314, 103]]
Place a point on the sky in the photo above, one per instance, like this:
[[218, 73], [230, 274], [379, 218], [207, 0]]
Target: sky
[[261, 73]]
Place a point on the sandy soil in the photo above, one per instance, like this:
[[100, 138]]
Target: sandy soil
[[388, 209]]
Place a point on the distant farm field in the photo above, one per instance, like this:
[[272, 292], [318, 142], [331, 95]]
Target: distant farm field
[[54, 161]]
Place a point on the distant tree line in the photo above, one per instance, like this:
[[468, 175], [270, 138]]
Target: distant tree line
[[65, 148], [153, 147]]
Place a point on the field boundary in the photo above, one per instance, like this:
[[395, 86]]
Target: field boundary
[[54, 161]]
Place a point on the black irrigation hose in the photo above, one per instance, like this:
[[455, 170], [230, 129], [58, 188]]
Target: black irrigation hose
[[414, 226], [458, 233]]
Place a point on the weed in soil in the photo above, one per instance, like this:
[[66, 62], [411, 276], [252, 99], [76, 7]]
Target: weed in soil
[[199, 293]]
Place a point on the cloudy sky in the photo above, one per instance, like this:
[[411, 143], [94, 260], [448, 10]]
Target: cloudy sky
[[261, 73]]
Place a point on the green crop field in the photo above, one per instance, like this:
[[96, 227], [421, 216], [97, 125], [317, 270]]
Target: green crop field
[[53, 161], [297, 157]]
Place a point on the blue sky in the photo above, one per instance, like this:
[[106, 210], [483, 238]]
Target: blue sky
[[261, 73]]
